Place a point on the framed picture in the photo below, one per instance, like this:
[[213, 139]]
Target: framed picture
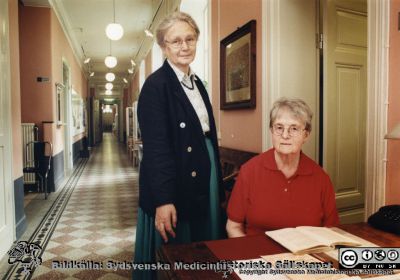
[[238, 68], [59, 104]]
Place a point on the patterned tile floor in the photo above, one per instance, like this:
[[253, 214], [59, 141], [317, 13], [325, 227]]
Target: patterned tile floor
[[99, 222]]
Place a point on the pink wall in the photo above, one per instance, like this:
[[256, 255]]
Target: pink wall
[[129, 97], [44, 46], [134, 82], [62, 51], [15, 89], [124, 105], [35, 47], [393, 164], [240, 129], [133, 88]]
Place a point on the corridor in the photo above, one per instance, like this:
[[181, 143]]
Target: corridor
[[98, 223]]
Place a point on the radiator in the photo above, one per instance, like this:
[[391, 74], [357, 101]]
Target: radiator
[[29, 133]]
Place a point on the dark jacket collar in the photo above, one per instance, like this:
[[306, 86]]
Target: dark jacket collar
[[178, 91]]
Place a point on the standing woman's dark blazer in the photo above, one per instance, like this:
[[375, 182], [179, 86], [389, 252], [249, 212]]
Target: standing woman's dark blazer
[[175, 167]]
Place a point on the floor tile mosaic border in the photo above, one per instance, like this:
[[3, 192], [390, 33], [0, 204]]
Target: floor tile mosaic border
[[44, 231]]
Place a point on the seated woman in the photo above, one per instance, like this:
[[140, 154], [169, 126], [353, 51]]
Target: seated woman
[[282, 187]]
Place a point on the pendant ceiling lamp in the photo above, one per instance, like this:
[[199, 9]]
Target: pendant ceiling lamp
[[110, 61], [109, 86], [110, 77], [114, 31]]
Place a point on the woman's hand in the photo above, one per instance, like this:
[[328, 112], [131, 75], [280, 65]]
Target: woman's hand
[[166, 220], [235, 229]]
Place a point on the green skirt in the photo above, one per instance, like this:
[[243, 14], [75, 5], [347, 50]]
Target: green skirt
[[148, 239]]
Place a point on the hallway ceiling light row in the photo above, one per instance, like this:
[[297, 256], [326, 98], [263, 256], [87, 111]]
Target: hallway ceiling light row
[[85, 24]]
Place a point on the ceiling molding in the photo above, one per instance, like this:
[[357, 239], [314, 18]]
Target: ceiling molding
[[36, 3]]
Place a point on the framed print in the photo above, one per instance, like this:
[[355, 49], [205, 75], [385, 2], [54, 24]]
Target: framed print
[[238, 68], [59, 104]]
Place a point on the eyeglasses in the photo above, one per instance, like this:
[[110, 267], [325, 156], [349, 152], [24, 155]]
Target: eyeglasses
[[292, 130], [177, 43]]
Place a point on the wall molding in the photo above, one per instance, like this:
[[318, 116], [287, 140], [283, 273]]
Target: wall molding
[[378, 76], [20, 217]]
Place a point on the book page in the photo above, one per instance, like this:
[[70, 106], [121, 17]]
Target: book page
[[328, 236], [294, 240], [364, 243]]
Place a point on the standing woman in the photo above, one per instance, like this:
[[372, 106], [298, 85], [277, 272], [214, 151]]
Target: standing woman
[[180, 177]]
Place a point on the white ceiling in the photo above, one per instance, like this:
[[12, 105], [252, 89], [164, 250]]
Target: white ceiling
[[84, 23]]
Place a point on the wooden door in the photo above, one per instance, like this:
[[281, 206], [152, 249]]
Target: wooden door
[[345, 96]]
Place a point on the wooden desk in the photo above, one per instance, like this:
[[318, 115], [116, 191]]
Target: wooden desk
[[247, 248]]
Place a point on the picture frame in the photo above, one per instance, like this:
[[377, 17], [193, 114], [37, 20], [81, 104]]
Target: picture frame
[[59, 104], [77, 113], [238, 68]]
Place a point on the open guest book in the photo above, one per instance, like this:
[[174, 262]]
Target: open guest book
[[307, 239]]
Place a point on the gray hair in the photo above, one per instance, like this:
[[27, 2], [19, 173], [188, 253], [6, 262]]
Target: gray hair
[[169, 21], [296, 106]]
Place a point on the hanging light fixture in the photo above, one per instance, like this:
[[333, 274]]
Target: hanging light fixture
[[110, 61], [133, 63], [110, 77], [109, 86], [108, 92], [125, 80], [86, 61], [114, 31], [91, 74], [130, 71]]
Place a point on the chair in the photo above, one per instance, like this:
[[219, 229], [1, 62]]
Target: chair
[[129, 147], [134, 146], [231, 160], [40, 164], [136, 149]]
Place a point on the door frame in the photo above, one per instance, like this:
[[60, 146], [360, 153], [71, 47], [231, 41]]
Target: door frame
[[68, 162], [8, 130], [377, 90], [270, 30]]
